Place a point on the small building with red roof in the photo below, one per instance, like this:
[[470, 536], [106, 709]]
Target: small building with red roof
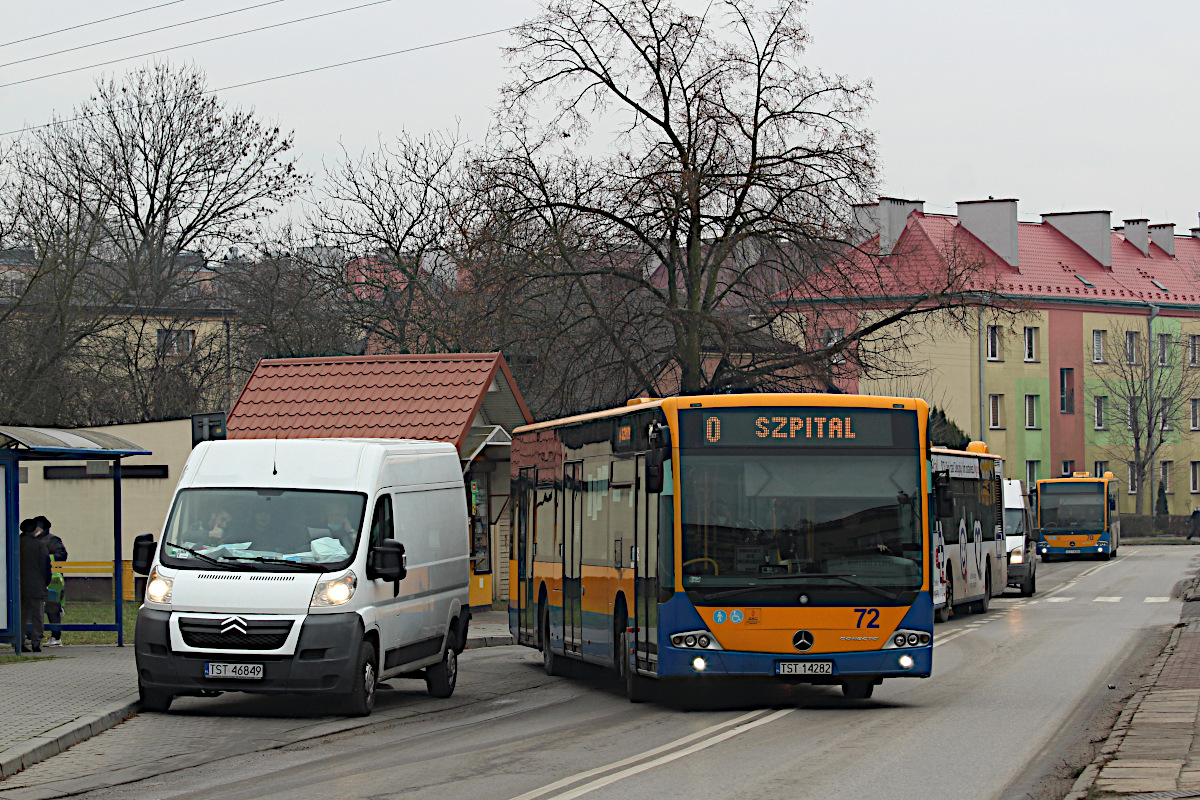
[[1034, 385], [467, 399]]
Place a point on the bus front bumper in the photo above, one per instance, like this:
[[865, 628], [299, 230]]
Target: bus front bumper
[[1100, 547], [678, 662]]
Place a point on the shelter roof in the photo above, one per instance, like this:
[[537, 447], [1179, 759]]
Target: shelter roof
[[43, 443], [436, 397]]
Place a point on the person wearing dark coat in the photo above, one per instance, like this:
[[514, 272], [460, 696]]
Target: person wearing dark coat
[[35, 577], [54, 603]]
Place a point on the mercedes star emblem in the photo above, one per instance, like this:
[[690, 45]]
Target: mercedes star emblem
[[802, 641]]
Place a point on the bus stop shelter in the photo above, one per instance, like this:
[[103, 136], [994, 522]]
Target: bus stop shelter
[[21, 445]]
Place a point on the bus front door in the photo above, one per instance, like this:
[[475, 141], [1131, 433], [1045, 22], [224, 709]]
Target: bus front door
[[572, 552]]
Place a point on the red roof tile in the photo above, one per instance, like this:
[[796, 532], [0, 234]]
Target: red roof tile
[[407, 397]]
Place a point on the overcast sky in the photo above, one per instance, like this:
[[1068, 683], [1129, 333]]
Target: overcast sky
[[1065, 105]]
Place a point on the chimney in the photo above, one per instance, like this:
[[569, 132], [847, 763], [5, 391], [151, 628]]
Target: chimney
[[892, 215], [1136, 233], [1195, 232], [866, 221], [1163, 235], [1091, 230], [993, 222]]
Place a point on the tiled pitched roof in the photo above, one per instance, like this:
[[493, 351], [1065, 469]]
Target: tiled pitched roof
[[1050, 265], [431, 397]]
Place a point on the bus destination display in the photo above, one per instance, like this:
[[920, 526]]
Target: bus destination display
[[795, 426]]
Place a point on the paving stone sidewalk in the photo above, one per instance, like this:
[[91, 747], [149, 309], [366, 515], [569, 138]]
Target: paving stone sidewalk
[[1154, 749], [77, 691]]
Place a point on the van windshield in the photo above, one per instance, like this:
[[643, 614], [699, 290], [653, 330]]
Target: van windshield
[[263, 528], [1014, 522]]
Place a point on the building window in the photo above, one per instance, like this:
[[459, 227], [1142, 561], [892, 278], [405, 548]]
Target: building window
[[1131, 347], [995, 403], [1098, 405], [1196, 414], [1068, 468], [1131, 411], [1164, 349], [1164, 476], [1031, 411], [1098, 347], [1164, 414], [993, 342], [176, 343], [1066, 391], [1196, 477], [829, 338], [1100, 467], [1194, 351], [1133, 487], [1031, 344], [1031, 475]]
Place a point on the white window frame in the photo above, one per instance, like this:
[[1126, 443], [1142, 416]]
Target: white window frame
[[1195, 477], [1193, 350], [1031, 344], [993, 342], [1031, 474], [1164, 349], [1133, 489], [1098, 408], [1099, 468], [1031, 412], [1196, 413], [995, 404], [1164, 414], [830, 337], [1131, 346], [1098, 346], [1130, 411], [1068, 468], [1164, 475]]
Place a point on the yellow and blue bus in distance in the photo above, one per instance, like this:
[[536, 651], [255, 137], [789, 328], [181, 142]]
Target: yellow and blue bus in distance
[[766, 535], [1078, 516]]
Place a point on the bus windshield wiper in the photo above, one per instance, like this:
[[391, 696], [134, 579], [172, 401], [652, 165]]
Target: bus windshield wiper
[[835, 576], [742, 590], [201, 556], [266, 560]]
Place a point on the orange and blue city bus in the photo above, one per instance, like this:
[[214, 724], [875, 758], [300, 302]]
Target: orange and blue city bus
[[769, 535], [1078, 516]]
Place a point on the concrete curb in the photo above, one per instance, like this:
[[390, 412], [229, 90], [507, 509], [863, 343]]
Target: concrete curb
[[474, 642], [55, 741], [1087, 778]]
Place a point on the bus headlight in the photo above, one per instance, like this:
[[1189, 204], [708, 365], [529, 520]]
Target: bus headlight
[[906, 662], [699, 664], [1017, 556], [334, 591], [159, 588]]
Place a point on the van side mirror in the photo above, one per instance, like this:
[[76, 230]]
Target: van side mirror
[[941, 490], [388, 562], [143, 553]]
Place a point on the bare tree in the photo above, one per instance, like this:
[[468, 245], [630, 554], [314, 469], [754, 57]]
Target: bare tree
[[1142, 398], [725, 202]]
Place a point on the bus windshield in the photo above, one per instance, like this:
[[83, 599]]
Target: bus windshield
[[1071, 506], [263, 529], [834, 522]]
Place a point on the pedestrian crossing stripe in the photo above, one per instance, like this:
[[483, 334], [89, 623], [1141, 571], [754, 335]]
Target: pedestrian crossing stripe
[[1158, 599], [1059, 599], [1107, 600]]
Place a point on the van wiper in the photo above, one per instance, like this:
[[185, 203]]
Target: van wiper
[[265, 560], [844, 578], [201, 556]]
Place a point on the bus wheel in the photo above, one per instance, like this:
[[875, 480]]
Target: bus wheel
[[858, 688], [550, 661], [637, 688], [982, 604], [943, 613]]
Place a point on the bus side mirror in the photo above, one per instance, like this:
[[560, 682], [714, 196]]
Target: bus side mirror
[[143, 553], [941, 490], [1112, 503], [655, 470]]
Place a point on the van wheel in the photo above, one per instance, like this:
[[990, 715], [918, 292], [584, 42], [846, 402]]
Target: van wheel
[[1029, 586], [366, 680], [858, 689], [154, 699], [441, 678]]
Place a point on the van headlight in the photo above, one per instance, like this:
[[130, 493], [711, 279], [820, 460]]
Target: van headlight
[[334, 591], [159, 588], [1017, 556]]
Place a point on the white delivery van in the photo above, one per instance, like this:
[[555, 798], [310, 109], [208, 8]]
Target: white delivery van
[[306, 565], [1018, 539]]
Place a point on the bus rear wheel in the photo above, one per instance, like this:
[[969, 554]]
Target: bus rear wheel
[[858, 688], [943, 613], [981, 605]]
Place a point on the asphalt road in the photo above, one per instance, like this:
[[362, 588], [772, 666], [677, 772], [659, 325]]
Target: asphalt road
[[1005, 688]]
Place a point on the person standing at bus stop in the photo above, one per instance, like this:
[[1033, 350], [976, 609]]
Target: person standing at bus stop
[[54, 599], [1195, 523], [35, 577]]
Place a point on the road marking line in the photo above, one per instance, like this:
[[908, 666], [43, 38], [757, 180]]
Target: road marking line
[[1106, 600], [625, 773], [640, 757], [1158, 599], [1059, 599]]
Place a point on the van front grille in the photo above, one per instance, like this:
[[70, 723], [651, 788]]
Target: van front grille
[[234, 633]]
